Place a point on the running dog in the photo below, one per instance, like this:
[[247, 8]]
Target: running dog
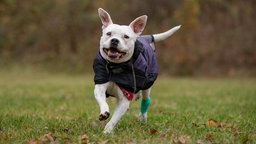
[[125, 65]]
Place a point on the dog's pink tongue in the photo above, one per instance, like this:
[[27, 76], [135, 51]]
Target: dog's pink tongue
[[113, 53]]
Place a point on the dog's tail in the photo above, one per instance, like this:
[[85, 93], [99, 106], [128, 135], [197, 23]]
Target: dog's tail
[[164, 35], [161, 36]]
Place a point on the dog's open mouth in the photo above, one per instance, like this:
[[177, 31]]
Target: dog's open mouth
[[114, 53]]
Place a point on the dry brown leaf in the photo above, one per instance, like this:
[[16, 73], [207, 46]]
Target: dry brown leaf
[[222, 124], [153, 131], [235, 131], [212, 123], [28, 127], [209, 137], [35, 141], [67, 131], [201, 142], [198, 124], [32, 142], [49, 137], [182, 140], [162, 137], [84, 136]]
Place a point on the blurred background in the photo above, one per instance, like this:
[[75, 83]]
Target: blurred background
[[217, 37]]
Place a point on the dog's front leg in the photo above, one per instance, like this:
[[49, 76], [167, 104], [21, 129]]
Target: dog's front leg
[[100, 95], [122, 106]]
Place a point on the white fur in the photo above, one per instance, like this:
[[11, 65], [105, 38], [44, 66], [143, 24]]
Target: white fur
[[126, 45], [164, 35]]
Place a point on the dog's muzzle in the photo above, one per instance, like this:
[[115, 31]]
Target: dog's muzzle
[[114, 53]]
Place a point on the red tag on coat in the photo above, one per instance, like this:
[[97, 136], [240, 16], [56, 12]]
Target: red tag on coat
[[129, 95]]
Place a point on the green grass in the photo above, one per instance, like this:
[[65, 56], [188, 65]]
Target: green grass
[[35, 107]]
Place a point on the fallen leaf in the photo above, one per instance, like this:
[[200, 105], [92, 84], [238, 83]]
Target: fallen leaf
[[198, 124], [162, 137], [67, 131], [212, 123], [209, 137], [201, 142], [182, 140], [153, 131], [35, 141], [28, 127], [84, 136], [222, 124], [234, 131], [174, 113], [49, 137]]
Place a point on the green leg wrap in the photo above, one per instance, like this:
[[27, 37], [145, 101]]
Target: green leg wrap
[[144, 105]]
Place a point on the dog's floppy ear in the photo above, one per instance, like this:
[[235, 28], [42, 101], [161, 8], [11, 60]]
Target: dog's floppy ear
[[139, 24], [105, 18]]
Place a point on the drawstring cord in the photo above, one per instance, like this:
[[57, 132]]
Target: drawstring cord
[[134, 79]]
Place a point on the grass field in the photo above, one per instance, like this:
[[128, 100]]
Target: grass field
[[50, 108]]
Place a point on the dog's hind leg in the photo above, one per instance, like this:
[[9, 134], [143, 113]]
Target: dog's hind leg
[[145, 102], [122, 106]]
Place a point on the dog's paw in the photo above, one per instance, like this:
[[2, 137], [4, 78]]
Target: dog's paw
[[104, 116], [107, 131], [109, 128], [143, 117]]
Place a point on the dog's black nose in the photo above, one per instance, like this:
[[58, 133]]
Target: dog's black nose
[[114, 42]]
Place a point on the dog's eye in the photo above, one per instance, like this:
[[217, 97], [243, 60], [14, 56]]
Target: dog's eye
[[109, 33], [126, 37]]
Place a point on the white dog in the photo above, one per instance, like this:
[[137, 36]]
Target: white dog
[[124, 65]]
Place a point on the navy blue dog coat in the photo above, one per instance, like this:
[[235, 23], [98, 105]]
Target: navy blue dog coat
[[138, 73]]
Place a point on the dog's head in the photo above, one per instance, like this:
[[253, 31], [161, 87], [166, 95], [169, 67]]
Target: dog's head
[[117, 41]]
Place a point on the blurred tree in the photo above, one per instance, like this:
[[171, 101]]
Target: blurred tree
[[217, 37], [188, 17]]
